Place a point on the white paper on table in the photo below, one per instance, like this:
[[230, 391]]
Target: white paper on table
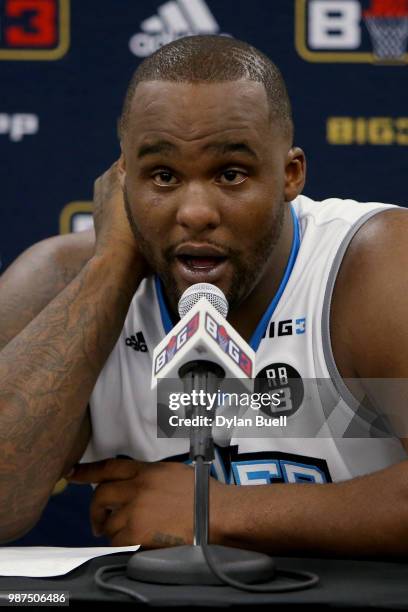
[[47, 561]]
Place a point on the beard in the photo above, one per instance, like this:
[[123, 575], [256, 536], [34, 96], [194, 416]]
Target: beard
[[247, 270]]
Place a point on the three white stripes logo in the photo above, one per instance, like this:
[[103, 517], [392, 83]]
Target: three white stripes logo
[[182, 17], [175, 18]]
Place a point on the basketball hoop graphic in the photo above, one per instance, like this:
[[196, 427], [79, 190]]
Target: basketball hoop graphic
[[387, 23]]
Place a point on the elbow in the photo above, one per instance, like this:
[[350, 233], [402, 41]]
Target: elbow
[[12, 531], [16, 520]]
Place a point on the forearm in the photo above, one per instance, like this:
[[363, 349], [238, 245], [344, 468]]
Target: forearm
[[47, 374], [366, 516]]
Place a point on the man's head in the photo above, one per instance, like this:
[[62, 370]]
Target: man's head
[[213, 59], [208, 163]]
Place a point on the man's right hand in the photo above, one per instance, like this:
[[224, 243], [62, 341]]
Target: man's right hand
[[112, 228]]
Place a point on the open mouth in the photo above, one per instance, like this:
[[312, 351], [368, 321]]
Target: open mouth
[[201, 268], [200, 263]]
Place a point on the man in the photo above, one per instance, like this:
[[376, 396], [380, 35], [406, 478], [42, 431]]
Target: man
[[211, 182]]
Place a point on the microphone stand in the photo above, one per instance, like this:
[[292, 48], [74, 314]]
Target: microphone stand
[[206, 376], [187, 564]]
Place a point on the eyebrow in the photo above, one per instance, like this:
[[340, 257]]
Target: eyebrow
[[164, 146], [231, 147], [160, 146]]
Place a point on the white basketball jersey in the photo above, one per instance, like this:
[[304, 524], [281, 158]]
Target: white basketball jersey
[[292, 340]]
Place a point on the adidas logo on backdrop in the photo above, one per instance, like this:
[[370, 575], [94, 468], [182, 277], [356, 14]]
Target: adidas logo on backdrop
[[175, 19], [137, 342]]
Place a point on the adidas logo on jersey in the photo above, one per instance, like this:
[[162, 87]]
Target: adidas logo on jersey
[[175, 19], [137, 342]]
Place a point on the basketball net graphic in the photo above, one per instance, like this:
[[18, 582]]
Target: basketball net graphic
[[387, 23]]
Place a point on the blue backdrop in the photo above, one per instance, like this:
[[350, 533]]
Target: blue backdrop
[[65, 65]]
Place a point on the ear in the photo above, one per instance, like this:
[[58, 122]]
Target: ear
[[295, 173], [121, 170]]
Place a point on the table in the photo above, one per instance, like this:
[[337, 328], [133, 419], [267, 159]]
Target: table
[[343, 583]]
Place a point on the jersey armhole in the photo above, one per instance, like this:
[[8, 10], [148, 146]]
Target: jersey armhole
[[340, 386]]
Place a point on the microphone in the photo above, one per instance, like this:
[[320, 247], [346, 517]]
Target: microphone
[[206, 354], [201, 350], [203, 334]]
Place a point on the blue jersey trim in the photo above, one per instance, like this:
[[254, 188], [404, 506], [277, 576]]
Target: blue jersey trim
[[165, 316], [263, 323]]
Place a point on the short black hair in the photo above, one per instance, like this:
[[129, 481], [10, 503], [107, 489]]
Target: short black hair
[[213, 58]]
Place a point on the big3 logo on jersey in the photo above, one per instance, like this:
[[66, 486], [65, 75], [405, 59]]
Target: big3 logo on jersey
[[374, 31], [34, 29]]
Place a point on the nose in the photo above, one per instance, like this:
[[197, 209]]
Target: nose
[[198, 210]]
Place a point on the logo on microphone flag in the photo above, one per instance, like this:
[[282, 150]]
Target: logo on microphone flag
[[176, 342], [227, 344], [205, 335], [171, 348], [223, 338]]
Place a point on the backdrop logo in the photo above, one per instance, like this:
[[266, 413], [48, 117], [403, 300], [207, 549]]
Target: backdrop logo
[[376, 131], [374, 31], [18, 125], [34, 29], [173, 20], [76, 217]]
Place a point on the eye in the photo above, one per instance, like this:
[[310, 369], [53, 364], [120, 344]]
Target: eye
[[232, 177], [164, 178]]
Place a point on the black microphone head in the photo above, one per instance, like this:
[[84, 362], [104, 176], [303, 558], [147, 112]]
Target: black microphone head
[[210, 292]]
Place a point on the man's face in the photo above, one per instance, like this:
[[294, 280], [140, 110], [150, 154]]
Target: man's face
[[205, 183]]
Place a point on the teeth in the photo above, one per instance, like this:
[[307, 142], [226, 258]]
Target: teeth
[[200, 263]]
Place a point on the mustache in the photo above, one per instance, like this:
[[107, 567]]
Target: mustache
[[169, 252]]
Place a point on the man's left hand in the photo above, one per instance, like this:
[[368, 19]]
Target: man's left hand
[[151, 504]]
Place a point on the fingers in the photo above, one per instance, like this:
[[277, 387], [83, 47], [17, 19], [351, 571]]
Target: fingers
[[121, 165], [114, 526], [107, 500], [134, 501], [109, 181], [106, 470]]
